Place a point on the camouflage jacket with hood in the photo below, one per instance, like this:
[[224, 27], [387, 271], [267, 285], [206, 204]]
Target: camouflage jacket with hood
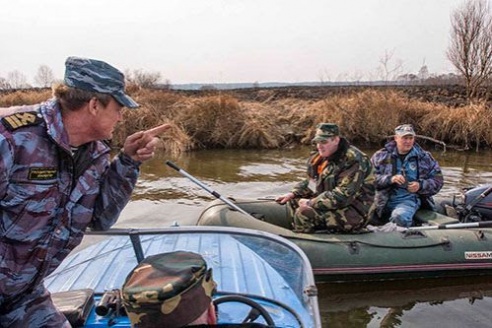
[[343, 180], [48, 197], [429, 175]]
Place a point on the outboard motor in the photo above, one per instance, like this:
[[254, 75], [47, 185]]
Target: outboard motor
[[475, 204]]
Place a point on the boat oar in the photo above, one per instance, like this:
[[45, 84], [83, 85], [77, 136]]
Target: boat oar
[[480, 224], [204, 186]]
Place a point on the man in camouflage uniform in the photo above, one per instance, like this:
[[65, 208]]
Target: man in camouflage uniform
[[57, 179], [170, 290], [344, 186], [406, 179]]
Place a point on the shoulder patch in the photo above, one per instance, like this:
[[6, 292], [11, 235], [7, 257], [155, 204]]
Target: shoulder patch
[[19, 120], [42, 173]]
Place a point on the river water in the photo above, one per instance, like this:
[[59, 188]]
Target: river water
[[163, 196]]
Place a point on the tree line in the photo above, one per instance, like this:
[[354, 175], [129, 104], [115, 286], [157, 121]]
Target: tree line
[[469, 51], [45, 78]]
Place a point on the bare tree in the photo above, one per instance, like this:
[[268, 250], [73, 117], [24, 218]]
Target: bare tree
[[387, 69], [357, 76], [4, 85], [407, 78], [143, 79], [167, 84], [342, 77], [324, 76], [470, 50], [17, 80], [208, 87], [44, 77]]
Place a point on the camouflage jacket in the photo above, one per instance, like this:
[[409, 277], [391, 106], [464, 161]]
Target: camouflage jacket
[[429, 175], [47, 197], [343, 180]]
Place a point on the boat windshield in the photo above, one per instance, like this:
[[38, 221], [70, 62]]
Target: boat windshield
[[246, 262]]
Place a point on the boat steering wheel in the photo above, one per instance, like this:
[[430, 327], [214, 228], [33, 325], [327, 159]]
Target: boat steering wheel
[[251, 317]]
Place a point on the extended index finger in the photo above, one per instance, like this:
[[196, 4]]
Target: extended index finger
[[155, 131]]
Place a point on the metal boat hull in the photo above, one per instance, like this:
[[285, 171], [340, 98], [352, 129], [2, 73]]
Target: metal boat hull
[[265, 268]]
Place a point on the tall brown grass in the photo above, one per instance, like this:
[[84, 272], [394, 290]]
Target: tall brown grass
[[221, 120], [24, 97], [469, 127]]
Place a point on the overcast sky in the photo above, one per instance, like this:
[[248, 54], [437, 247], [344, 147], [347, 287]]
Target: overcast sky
[[222, 41]]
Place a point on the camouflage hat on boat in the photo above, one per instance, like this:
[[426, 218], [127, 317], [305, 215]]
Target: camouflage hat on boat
[[325, 131], [97, 76], [168, 290]]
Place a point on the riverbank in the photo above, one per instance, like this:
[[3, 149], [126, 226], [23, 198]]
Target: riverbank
[[279, 118]]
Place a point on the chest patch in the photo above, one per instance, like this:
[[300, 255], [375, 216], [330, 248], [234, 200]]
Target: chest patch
[[42, 173], [18, 120]]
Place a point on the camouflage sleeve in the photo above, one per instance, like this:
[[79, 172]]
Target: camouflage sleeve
[[349, 183], [6, 162], [302, 190], [382, 179], [116, 189], [430, 179]]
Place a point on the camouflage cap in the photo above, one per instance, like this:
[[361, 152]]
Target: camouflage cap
[[97, 76], [325, 131], [404, 130], [168, 290]]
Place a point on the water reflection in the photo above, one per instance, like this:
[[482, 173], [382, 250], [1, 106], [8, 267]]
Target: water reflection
[[456, 302], [164, 196], [269, 169]]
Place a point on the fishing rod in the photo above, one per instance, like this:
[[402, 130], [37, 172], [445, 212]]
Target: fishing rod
[[204, 186]]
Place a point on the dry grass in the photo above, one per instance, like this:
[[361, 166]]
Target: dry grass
[[211, 121], [259, 130], [469, 127], [19, 98], [220, 120]]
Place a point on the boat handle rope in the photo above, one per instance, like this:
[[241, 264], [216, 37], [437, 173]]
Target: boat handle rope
[[351, 242]]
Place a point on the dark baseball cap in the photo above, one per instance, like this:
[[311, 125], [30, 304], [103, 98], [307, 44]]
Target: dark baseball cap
[[97, 76]]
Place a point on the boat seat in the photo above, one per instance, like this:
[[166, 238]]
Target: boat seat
[[76, 305], [429, 217]]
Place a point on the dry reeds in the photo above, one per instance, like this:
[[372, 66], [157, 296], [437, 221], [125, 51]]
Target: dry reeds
[[364, 117], [212, 121], [24, 97], [259, 130], [220, 120], [469, 126]]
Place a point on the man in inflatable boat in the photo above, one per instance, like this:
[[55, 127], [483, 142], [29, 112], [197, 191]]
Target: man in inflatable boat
[[344, 186]]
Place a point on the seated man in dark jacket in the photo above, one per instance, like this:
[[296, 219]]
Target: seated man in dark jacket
[[406, 178]]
